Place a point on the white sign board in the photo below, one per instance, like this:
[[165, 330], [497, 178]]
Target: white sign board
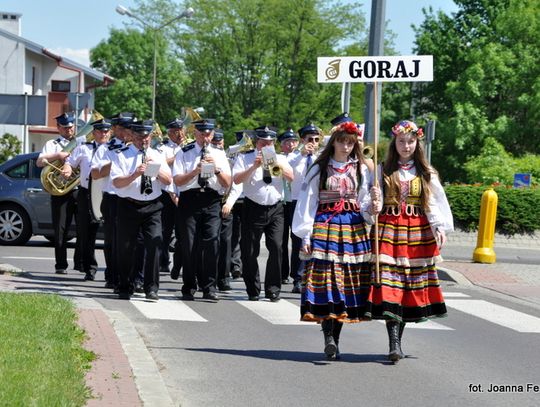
[[414, 68]]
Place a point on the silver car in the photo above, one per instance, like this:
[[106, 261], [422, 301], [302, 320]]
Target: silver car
[[25, 207]]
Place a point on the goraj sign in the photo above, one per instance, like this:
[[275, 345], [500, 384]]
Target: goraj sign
[[415, 68]]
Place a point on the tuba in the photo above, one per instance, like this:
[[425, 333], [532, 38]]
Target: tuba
[[245, 144], [190, 115], [51, 178]]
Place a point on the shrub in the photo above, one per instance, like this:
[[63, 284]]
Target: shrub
[[516, 210]]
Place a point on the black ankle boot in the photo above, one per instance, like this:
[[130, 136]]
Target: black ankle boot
[[330, 347], [336, 331], [393, 337]]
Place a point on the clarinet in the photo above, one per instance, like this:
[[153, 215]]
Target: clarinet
[[146, 182]]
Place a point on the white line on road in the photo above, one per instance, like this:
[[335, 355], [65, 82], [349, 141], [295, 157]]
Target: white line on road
[[28, 258], [278, 313], [455, 295], [166, 308], [518, 321]]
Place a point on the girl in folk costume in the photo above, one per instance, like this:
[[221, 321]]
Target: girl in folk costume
[[335, 243], [413, 221]]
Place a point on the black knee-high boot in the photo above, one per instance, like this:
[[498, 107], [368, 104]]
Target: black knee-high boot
[[330, 347], [336, 331], [401, 329], [393, 338]]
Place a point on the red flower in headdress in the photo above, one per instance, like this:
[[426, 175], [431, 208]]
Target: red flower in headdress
[[350, 127]]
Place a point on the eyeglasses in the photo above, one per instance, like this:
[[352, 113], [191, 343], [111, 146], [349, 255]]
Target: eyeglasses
[[313, 139]]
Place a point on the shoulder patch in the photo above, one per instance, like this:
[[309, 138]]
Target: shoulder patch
[[190, 146], [58, 140]]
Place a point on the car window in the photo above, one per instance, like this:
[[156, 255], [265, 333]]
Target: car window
[[20, 171], [36, 171]]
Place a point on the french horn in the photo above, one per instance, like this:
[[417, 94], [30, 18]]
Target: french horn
[[51, 176]]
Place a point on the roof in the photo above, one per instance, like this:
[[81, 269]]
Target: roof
[[39, 49]]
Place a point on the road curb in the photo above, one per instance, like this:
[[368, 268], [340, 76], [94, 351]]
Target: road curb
[[456, 276]]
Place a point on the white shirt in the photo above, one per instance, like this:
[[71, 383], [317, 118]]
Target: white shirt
[[81, 157], [255, 188], [187, 159], [439, 214], [308, 200], [299, 164], [58, 144], [126, 162], [104, 155]]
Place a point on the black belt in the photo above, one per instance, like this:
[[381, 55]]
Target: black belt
[[141, 203]]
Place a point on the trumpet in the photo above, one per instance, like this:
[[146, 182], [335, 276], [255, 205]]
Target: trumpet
[[270, 161]]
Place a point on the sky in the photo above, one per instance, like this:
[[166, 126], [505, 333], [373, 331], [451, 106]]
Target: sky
[[71, 28]]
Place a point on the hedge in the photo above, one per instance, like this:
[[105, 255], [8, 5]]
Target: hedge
[[518, 210]]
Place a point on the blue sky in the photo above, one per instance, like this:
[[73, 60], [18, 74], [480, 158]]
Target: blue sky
[[71, 27]]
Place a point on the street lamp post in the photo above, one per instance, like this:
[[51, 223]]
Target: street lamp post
[[185, 14]]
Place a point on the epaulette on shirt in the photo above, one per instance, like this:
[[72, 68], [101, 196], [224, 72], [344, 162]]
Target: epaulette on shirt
[[122, 149], [57, 141], [248, 151], [114, 146], [188, 147]]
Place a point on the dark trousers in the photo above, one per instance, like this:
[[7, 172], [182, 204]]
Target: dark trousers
[[237, 213], [109, 210], [167, 226], [259, 219], [224, 263], [132, 218], [285, 265], [296, 245], [86, 238], [63, 209], [199, 219]]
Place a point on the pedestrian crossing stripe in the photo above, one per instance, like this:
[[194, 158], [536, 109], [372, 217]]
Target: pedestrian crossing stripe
[[497, 314], [169, 308], [429, 324], [278, 313]]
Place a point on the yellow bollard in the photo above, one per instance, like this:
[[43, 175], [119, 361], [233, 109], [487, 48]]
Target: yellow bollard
[[484, 252]]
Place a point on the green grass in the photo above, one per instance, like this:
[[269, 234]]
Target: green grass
[[42, 362]]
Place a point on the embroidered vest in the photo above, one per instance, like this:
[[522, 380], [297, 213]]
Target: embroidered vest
[[409, 200], [341, 189]]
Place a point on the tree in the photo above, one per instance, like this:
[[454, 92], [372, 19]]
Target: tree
[[10, 146], [127, 56], [486, 79]]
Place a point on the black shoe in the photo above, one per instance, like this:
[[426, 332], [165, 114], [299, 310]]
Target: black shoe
[[297, 288], [236, 273], [274, 297], [223, 285], [175, 274], [90, 276], [188, 297], [61, 271], [253, 298], [139, 289], [152, 296], [285, 281], [108, 284], [210, 296], [395, 353], [124, 296]]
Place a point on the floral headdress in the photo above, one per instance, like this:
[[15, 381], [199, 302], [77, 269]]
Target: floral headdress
[[407, 126], [351, 128]]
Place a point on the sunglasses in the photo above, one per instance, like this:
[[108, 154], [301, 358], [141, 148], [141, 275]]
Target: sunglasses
[[313, 139]]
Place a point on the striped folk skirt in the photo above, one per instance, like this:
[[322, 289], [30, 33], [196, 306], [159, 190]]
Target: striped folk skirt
[[336, 278], [409, 289]]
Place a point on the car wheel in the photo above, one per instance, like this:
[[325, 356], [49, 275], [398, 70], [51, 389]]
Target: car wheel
[[15, 226]]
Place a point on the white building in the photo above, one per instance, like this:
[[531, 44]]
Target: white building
[[27, 67]]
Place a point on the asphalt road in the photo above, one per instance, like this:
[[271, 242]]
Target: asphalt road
[[232, 354]]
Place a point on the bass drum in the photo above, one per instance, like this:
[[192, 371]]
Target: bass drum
[[95, 195]]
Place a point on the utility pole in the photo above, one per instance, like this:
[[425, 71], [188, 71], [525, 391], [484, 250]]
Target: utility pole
[[375, 48]]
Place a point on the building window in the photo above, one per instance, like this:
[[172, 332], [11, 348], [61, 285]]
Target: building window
[[60, 86]]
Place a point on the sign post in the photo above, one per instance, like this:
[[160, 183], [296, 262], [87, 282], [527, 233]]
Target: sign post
[[374, 69]]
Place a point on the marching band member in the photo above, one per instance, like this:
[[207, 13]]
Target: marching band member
[[263, 213], [310, 137], [101, 167], [63, 207], [176, 138], [203, 175], [139, 207], [288, 143], [81, 157]]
